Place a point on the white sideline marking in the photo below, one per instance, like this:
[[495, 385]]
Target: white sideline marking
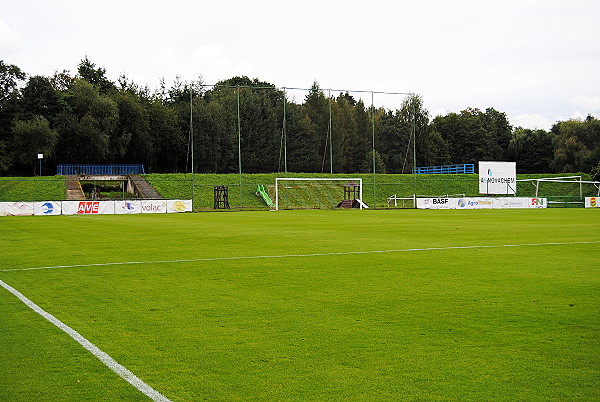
[[302, 255], [93, 349]]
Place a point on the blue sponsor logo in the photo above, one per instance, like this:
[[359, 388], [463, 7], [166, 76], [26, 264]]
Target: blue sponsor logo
[[47, 208], [462, 203]]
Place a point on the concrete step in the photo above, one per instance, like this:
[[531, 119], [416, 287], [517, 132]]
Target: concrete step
[[74, 190], [142, 188]]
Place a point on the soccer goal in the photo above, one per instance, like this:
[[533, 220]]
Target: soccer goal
[[565, 190], [318, 193]]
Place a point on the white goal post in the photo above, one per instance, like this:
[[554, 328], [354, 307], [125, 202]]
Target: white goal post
[[313, 192]]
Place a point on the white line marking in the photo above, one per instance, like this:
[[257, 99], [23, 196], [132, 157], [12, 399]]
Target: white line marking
[[301, 255], [93, 349]]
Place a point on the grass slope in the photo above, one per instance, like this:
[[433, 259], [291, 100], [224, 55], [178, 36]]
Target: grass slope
[[242, 189], [46, 188], [448, 324]]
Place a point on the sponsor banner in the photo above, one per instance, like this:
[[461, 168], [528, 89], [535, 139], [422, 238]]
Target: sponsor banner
[[47, 208], [590, 202], [3, 208], [128, 207], [502, 203], [154, 206], [521, 202], [69, 207], [481, 203], [179, 206], [88, 207], [497, 177], [436, 203], [475, 203], [18, 208]]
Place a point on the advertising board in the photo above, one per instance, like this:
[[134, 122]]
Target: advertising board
[[179, 206], [47, 208], [481, 203], [497, 178], [95, 207], [18, 208], [154, 206], [88, 207], [128, 207], [592, 202], [436, 203]]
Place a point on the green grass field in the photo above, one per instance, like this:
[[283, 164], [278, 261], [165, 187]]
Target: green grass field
[[305, 305]]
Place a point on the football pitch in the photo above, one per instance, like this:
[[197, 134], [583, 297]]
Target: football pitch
[[302, 305]]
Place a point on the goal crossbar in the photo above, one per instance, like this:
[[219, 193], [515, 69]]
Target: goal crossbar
[[315, 179]]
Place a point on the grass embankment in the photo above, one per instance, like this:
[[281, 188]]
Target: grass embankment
[[376, 190], [242, 189], [45, 188]]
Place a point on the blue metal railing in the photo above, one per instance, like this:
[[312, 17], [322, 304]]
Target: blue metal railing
[[446, 169], [103, 170]]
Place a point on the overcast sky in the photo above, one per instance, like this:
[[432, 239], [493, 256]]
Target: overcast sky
[[537, 61]]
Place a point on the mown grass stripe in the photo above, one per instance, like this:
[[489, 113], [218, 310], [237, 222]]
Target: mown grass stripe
[[302, 255], [108, 361]]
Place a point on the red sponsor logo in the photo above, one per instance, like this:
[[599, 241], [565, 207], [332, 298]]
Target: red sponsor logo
[[88, 207]]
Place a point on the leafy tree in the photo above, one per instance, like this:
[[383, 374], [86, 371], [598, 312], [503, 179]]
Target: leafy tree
[[130, 141], [531, 150], [167, 138], [62, 81], [413, 114], [10, 108], [5, 157], [576, 145], [473, 135], [301, 156], [95, 76], [316, 122], [362, 141], [86, 125], [367, 163], [10, 75], [499, 131], [32, 137], [344, 133], [595, 173], [39, 98], [394, 139]]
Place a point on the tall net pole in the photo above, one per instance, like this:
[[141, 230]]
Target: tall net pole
[[330, 138], [239, 124], [414, 132], [284, 132], [192, 141], [373, 148]]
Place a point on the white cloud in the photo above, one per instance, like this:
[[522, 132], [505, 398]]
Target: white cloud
[[532, 121], [591, 103], [10, 42], [208, 62]]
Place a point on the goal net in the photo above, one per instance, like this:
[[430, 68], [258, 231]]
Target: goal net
[[318, 193]]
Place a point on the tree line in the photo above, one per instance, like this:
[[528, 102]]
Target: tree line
[[85, 118]]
